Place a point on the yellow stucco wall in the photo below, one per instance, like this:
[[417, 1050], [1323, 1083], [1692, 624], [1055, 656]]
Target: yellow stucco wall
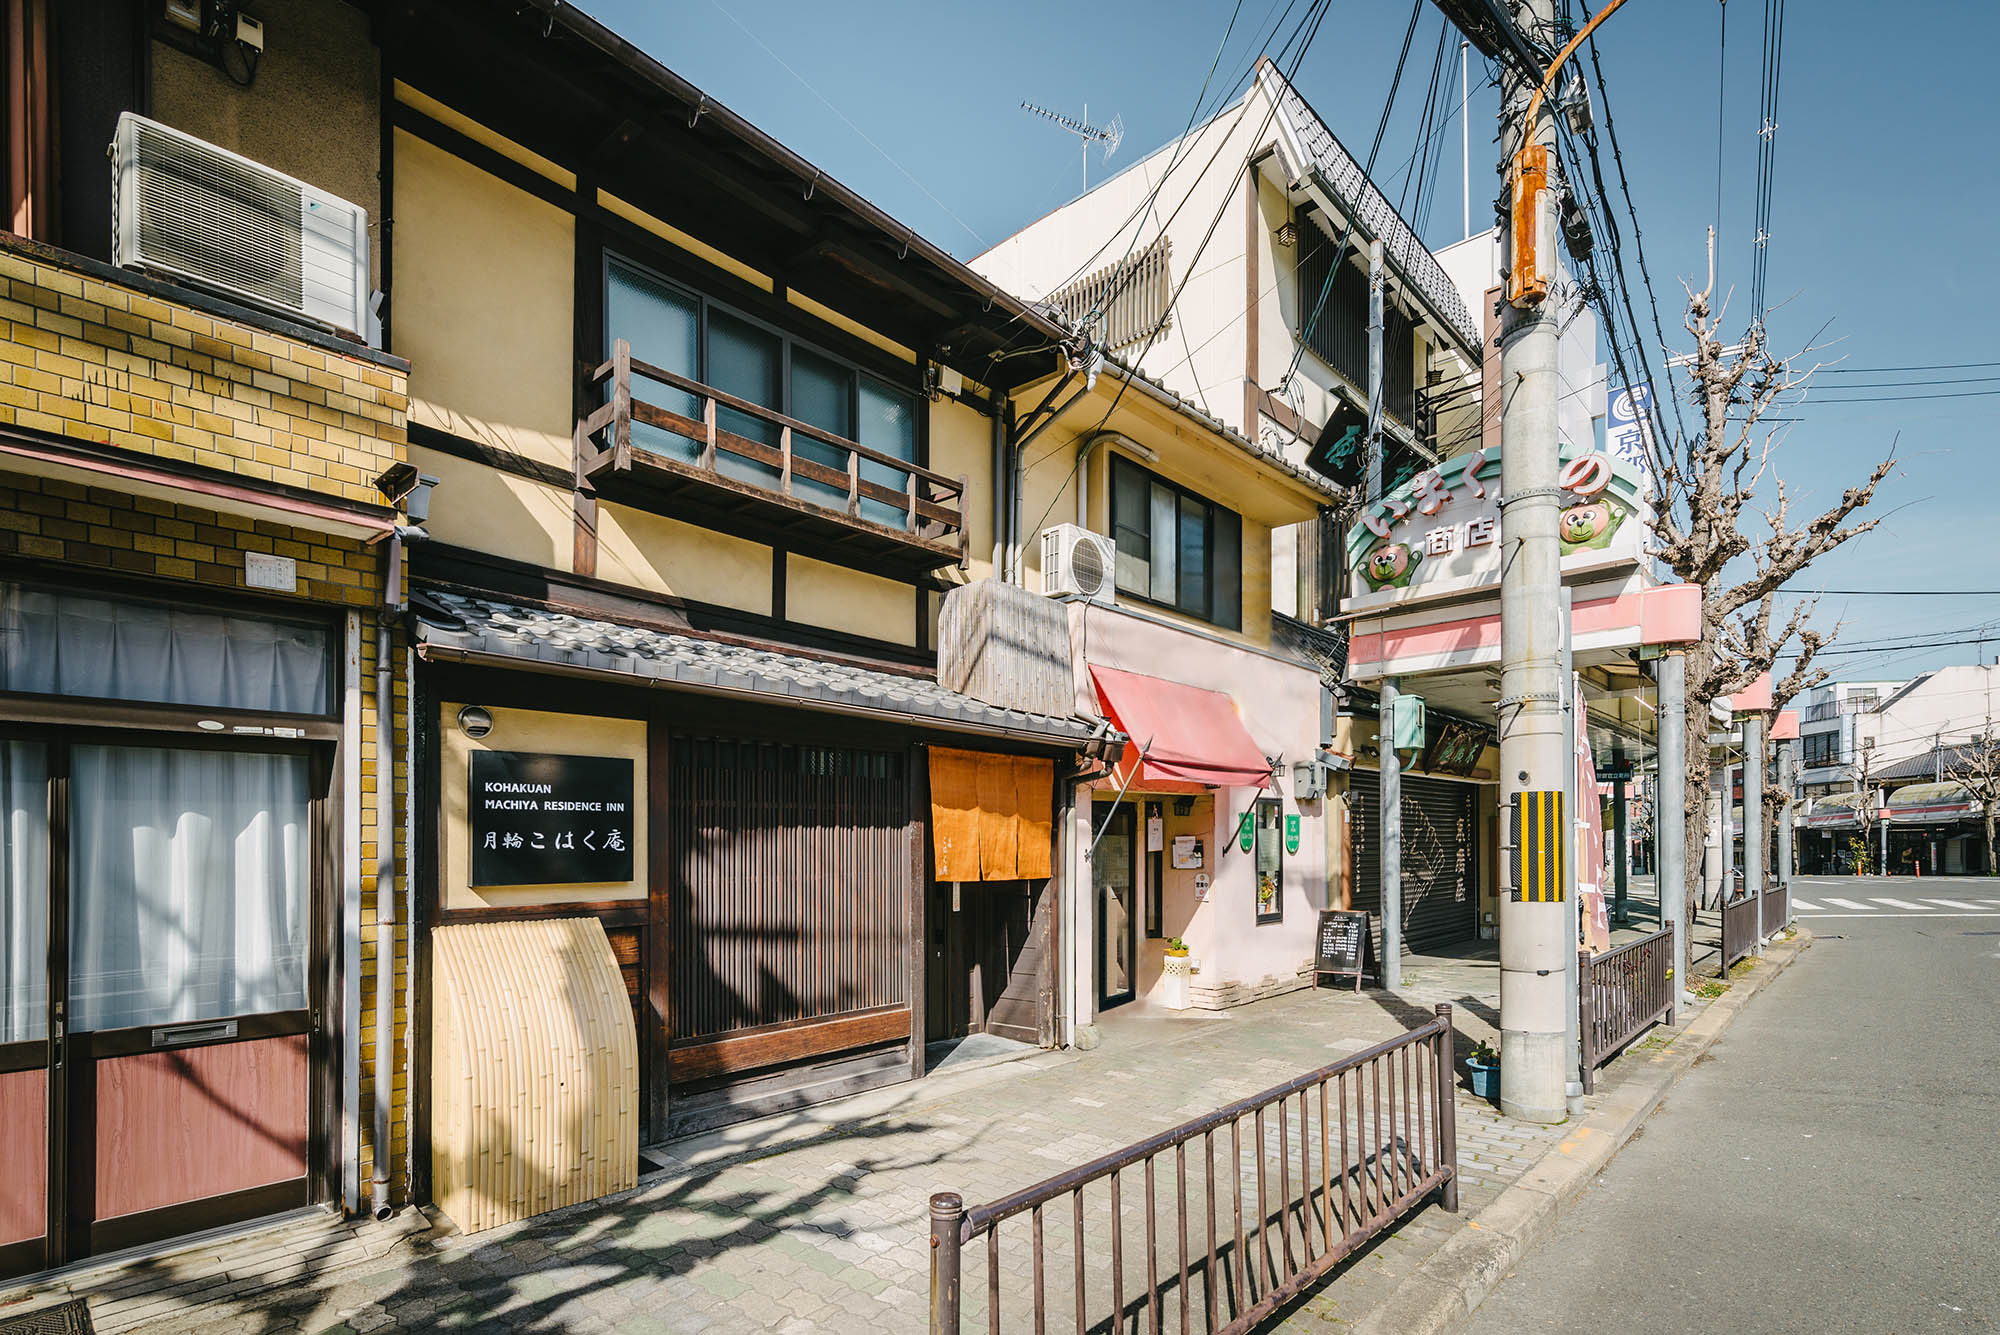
[[650, 551], [828, 596], [484, 310], [487, 510], [531, 730]]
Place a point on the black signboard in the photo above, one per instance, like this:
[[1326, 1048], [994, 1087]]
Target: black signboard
[[1344, 944], [549, 820]]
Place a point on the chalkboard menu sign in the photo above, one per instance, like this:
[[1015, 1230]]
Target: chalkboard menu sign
[[548, 819], [1344, 944]]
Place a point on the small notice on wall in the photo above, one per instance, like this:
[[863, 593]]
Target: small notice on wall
[[1156, 833], [1187, 852], [540, 819]]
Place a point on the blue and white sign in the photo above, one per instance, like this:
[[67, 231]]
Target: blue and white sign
[[1628, 429]]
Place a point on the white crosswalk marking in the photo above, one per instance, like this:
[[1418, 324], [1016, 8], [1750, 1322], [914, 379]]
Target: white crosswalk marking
[[1898, 904], [1800, 906], [1960, 904], [1848, 904]]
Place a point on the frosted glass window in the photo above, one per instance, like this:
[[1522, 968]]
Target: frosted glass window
[[663, 328], [57, 643], [24, 892], [888, 425], [190, 876], [822, 394]]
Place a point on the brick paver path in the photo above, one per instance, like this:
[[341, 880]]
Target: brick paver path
[[829, 1234]]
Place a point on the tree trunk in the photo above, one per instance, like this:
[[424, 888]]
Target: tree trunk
[[1992, 868]]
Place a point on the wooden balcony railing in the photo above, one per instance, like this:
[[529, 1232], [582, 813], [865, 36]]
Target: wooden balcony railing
[[925, 530]]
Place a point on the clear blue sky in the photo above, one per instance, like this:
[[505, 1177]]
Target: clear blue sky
[[1885, 194]]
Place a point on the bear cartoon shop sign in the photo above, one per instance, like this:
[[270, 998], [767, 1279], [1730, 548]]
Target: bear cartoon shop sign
[[1439, 533]]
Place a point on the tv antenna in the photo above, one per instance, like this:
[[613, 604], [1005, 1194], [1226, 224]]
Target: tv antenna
[[1110, 135]]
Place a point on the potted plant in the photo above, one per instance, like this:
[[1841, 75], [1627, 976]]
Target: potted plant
[[1484, 1065], [1179, 968]]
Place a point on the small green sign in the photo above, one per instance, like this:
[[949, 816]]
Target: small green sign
[[1291, 834], [1246, 835]]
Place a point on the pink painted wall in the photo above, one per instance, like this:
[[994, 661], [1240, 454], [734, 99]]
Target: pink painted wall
[[1278, 702]]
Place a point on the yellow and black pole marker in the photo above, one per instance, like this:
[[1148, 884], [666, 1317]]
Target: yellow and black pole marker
[[1538, 846]]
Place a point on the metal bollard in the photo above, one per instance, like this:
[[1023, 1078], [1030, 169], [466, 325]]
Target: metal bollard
[[1447, 1109], [947, 1212]]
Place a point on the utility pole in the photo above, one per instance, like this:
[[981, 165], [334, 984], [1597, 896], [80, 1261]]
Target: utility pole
[[1535, 943]]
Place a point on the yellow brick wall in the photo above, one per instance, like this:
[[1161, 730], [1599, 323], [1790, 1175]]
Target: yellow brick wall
[[100, 362], [53, 520]]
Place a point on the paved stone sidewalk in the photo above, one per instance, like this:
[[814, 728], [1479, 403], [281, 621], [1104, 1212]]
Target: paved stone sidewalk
[[829, 1232]]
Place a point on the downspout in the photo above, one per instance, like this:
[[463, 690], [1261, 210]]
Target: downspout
[[1003, 416], [386, 915], [1015, 470]]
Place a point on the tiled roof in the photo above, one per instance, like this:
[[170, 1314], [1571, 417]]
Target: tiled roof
[[1270, 458], [1324, 648], [1369, 207], [536, 637], [1941, 761]]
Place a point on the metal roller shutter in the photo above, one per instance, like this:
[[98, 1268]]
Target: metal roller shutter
[[1440, 896]]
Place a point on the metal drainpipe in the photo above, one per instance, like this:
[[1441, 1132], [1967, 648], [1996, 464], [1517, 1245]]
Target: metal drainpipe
[[1003, 412], [385, 876], [1015, 571]]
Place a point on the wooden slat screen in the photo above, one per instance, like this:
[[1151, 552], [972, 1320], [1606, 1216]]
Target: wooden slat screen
[[1133, 299], [791, 869]]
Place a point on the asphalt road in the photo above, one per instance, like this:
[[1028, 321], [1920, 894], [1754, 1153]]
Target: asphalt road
[[1832, 1165]]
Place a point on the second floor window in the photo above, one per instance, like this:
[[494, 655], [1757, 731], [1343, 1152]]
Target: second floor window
[[1820, 748], [1176, 548], [689, 335]]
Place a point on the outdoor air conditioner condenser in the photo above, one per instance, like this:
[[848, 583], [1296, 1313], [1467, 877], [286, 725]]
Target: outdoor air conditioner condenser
[[185, 209], [1077, 563]]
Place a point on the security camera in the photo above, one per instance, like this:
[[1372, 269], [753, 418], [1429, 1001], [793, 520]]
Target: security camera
[[409, 490]]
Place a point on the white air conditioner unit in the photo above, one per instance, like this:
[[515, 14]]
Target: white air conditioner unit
[[1077, 563], [189, 210]]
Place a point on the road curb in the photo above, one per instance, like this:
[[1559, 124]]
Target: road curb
[[1455, 1279]]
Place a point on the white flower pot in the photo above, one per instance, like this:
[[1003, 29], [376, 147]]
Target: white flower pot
[[1174, 986]]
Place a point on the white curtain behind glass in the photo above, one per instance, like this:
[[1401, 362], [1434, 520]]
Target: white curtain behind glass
[[24, 892], [188, 885], [54, 643]]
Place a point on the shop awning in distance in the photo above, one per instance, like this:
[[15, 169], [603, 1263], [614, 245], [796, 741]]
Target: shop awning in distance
[[458, 627], [1188, 735]]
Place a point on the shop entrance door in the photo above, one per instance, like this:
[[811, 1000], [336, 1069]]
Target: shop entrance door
[[157, 1021], [1114, 882]]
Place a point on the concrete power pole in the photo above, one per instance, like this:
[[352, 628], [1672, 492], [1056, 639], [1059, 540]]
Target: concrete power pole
[[1535, 1066]]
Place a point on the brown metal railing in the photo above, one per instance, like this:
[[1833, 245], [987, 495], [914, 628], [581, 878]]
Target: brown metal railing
[[1623, 992], [1739, 930], [1775, 913], [1386, 1136], [931, 503]]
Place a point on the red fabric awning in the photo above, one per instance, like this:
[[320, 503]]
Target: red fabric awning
[[1189, 735]]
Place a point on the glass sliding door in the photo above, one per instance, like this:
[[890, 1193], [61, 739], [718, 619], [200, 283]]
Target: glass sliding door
[[188, 915], [1114, 880], [24, 1006]]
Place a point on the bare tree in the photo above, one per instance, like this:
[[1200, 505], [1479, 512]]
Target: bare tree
[[1861, 769], [1976, 768], [1708, 480]]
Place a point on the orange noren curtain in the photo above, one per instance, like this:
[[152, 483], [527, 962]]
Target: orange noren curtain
[[991, 816]]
